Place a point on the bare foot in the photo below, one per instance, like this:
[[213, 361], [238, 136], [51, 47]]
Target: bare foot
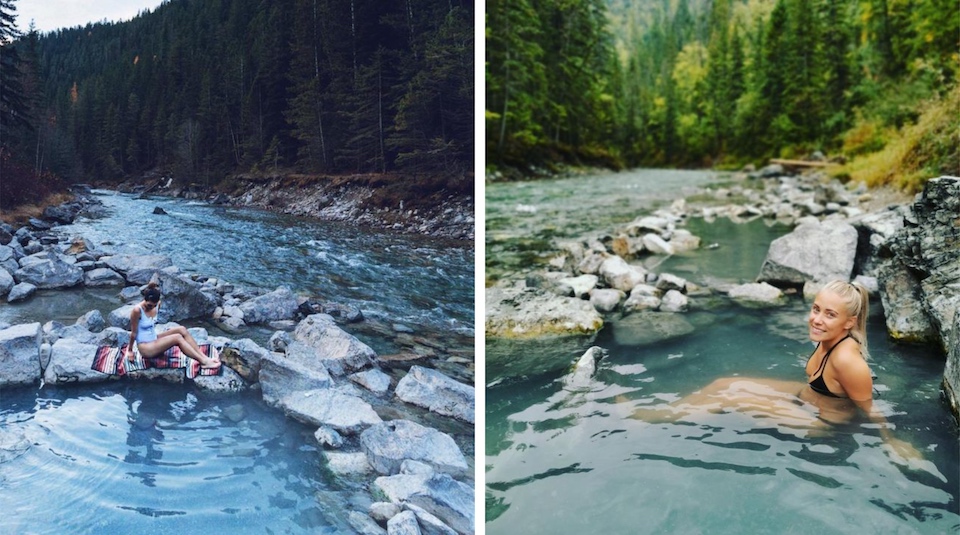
[[210, 364]]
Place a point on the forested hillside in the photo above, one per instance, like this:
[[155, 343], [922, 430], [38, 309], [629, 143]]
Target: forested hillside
[[206, 88], [693, 83]]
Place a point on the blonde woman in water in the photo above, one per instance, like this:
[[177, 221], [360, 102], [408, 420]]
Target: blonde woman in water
[[838, 383]]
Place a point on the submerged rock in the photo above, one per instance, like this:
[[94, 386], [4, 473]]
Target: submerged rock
[[584, 369], [646, 328]]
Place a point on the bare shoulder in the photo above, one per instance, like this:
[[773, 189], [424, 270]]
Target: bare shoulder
[[848, 361]]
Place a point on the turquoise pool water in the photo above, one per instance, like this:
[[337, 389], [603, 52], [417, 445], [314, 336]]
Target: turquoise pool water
[[572, 462], [156, 458]]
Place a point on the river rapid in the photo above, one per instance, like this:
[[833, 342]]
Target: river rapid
[[578, 461]]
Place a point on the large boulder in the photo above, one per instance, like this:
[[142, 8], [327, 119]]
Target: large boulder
[[339, 351], [130, 263], [280, 376], [70, 363], [244, 356], [6, 282], [388, 444], [102, 277], [438, 494], [50, 272], [8, 259], [514, 312], [438, 393], [327, 407], [182, 299], [280, 304], [814, 251], [903, 306], [20, 354], [21, 292]]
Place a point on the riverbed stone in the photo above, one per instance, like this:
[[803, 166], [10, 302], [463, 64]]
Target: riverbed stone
[[20, 354], [49, 273], [338, 351], [668, 281], [618, 274], [70, 363], [6, 282], [373, 380], [757, 295], [8, 259], [515, 312], [328, 437], [280, 304], [363, 524], [92, 321], [817, 251], [126, 263], [584, 369], [120, 317], [102, 277], [346, 463], [244, 356], [657, 245], [21, 292], [182, 299], [683, 241], [647, 328], [429, 524], [606, 300], [227, 382], [581, 285], [404, 523], [388, 444], [439, 494], [280, 376], [438, 393], [674, 301], [326, 407]]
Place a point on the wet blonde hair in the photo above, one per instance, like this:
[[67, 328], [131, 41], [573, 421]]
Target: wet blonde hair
[[857, 301]]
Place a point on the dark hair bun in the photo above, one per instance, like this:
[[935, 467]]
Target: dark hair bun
[[151, 292]]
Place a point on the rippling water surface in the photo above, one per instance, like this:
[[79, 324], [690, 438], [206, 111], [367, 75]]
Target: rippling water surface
[[577, 461], [156, 458]]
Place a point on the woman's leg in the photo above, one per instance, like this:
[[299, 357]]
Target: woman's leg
[[161, 344], [182, 331]]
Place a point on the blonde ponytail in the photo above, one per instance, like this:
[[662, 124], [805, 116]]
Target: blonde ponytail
[[857, 300]]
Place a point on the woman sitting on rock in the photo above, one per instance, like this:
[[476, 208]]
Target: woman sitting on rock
[[838, 378], [150, 344]]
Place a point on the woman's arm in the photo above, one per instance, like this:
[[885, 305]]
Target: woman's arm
[[134, 323], [854, 376]]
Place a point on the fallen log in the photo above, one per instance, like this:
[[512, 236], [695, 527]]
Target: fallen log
[[799, 163]]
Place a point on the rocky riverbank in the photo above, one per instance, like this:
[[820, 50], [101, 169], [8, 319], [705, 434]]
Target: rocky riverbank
[[392, 424], [376, 201], [906, 252]]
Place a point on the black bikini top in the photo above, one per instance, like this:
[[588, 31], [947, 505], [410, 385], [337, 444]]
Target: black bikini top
[[818, 384]]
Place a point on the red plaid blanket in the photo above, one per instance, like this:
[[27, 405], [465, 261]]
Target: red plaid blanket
[[110, 360]]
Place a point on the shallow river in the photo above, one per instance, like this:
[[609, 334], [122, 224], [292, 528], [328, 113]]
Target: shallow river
[[560, 461], [136, 457]]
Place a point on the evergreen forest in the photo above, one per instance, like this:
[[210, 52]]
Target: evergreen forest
[[716, 83], [205, 89]]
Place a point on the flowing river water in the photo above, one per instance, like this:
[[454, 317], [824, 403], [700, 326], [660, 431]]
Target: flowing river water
[[575, 461], [127, 457]]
